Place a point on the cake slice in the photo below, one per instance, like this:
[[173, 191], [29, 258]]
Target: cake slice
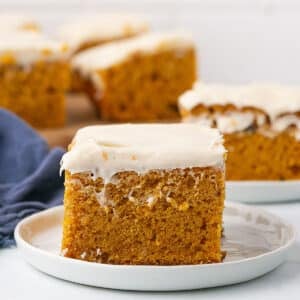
[[260, 123], [138, 79], [34, 75], [144, 194], [98, 29]]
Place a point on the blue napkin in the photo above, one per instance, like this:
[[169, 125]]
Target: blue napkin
[[29, 174]]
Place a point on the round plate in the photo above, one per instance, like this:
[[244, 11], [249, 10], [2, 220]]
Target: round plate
[[255, 241], [263, 191]]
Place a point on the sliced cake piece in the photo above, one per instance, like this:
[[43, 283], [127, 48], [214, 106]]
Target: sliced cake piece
[[144, 194], [260, 122], [34, 75], [138, 79]]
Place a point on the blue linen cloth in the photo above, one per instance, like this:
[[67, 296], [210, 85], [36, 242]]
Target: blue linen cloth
[[29, 174]]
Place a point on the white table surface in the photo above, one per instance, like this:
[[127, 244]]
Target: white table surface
[[18, 280]]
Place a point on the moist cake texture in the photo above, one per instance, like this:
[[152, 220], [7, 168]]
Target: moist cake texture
[[260, 123], [138, 79], [131, 199], [34, 75]]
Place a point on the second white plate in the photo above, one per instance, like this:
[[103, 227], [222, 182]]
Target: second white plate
[[256, 242], [263, 191]]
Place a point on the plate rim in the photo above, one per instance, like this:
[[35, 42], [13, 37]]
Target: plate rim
[[22, 243]]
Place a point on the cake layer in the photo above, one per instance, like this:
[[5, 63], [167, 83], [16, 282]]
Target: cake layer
[[158, 218], [101, 28], [262, 156], [36, 93], [108, 149], [25, 48]]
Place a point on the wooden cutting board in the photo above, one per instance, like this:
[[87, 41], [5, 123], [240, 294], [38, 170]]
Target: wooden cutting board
[[80, 113]]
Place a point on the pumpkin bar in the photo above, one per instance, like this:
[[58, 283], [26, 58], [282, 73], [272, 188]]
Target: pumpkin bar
[[260, 123], [144, 194]]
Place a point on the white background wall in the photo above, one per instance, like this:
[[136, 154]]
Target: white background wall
[[238, 40]]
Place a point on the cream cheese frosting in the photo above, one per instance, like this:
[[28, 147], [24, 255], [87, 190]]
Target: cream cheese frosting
[[271, 98], [283, 122], [103, 57], [27, 47], [101, 27], [274, 100], [226, 123], [105, 150]]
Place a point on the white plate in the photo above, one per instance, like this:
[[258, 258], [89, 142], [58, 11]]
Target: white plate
[[263, 191], [256, 242]]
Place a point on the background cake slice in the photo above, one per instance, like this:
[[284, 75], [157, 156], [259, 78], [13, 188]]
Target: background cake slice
[[260, 123], [144, 194], [34, 75], [138, 79]]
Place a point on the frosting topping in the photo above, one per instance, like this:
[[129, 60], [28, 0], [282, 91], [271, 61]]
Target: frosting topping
[[105, 56], [280, 103], [283, 122], [101, 27], [271, 98], [27, 47], [227, 123], [105, 150]]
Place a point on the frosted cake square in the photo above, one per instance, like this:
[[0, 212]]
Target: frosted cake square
[[260, 123], [34, 75], [144, 194], [138, 79]]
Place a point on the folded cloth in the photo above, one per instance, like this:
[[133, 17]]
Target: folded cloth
[[29, 174]]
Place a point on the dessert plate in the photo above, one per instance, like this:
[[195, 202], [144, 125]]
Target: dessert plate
[[263, 191], [255, 241]]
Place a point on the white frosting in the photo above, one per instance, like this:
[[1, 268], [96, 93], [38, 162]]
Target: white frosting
[[226, 123], [203, 120], [273, 99], [28, 47], [283, 122], [105, 150], [13, 22], [101, 27], [102, 57], [233, 122]]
